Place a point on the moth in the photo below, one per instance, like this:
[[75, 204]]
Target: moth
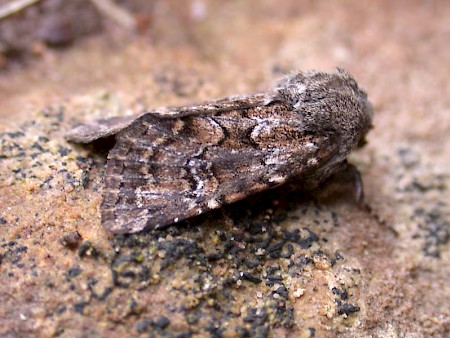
[[170, 164]]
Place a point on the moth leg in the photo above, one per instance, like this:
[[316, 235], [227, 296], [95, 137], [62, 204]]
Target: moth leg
[[354, 177], [346, 182]]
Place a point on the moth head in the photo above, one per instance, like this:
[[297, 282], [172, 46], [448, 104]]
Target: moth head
[[360, 118], [332, 102]]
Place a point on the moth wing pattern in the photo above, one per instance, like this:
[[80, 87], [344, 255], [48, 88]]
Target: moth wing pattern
[[166, 168], [170, 164], [221, 105], [89, 132]]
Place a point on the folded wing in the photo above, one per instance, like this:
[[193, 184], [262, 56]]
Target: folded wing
[[163, 170]]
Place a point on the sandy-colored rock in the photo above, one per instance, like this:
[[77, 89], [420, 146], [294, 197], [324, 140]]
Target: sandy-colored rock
[[278, 264]]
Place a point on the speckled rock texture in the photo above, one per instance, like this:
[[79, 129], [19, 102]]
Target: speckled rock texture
[[279, 264]]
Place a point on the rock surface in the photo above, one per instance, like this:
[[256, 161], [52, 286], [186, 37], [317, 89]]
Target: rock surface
[[277, 264]]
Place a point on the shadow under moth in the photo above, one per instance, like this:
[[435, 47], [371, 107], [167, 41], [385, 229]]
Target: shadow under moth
[[170, 164]]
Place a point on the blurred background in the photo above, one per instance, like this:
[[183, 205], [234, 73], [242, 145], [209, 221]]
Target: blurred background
[[199, 49]]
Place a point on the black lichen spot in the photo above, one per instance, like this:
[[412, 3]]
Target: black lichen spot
[[63, 151], [346, 308], [293, 236], [437, 233], [272, 279], [306, 243], [229, 281], [73, 272], [255, 315], [60, 309], [304, 260], [214, 329], [287, 317], [87, 249], [215, 256], [13, 252], [143, 325], [283, 292], [251, 264], [16, 134], [260, 331], [104, 294], [341, 293], [122, 259], [43, 139], [161, 323], [79, 307], [338, 256], [287, 251], [177, 249], [37, 147], [129, 268], [84, 179], [335, 219], [274, 250], [193, 317], [250, 277]]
